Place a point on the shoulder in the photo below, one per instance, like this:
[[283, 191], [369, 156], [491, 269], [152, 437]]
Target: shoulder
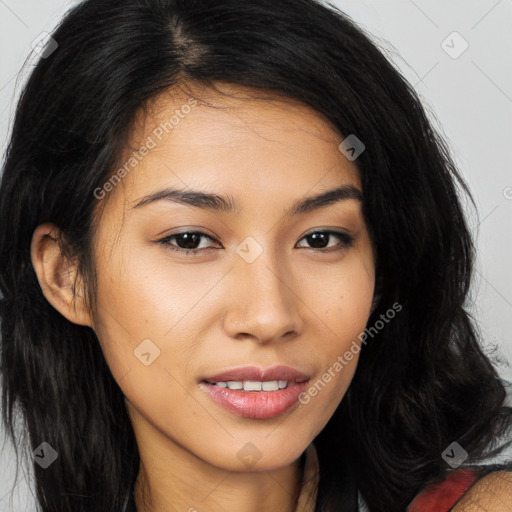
[[491, 492]]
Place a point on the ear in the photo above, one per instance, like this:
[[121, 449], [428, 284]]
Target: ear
[[56, 275]]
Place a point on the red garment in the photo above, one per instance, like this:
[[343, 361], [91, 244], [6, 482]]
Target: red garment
[[442, 496]]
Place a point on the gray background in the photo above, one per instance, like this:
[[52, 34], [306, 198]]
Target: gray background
[[468, 97]]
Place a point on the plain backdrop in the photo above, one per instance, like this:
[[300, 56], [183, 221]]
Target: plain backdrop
[[467, 91]]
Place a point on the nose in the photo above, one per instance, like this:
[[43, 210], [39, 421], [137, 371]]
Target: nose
[[264, 304]]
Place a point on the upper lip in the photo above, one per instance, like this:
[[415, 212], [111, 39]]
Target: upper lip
[[254, 373]]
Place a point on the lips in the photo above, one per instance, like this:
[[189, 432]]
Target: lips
[[256, 393], [253, 373]]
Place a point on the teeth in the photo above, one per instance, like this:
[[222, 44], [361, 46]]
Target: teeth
[[269, 386], [252, 385]]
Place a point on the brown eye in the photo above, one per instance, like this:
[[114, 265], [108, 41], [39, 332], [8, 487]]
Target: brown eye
[[186, 242], [319, 240]]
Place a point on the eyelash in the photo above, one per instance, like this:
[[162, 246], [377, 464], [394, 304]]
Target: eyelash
[[347, 241]]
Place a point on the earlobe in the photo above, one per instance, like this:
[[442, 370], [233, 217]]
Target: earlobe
[[57, 275]]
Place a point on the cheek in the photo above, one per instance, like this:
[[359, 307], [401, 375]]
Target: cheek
[[152, 294], [342, 295], [326, 390], [140, 298], [150, 325], [345, 304]]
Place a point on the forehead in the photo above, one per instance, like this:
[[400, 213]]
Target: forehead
[[238, 141]]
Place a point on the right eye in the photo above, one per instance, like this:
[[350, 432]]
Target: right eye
[[188, 239]]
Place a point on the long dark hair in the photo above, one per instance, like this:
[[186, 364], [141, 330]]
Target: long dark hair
[[422, 382]]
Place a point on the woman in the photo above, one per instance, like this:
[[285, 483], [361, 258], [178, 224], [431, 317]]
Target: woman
[[234, 266]]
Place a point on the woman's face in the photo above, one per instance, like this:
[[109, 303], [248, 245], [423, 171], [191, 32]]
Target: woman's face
[[259, 292]]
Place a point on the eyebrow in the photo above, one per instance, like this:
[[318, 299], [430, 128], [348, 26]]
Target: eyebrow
[[227, 204]]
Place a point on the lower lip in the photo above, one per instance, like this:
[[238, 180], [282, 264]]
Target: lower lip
[[256, 404]]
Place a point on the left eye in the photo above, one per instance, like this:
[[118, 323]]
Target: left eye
[[319, 237], [190, 239]]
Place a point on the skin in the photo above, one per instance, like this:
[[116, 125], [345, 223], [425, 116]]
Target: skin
[[294, 304], [491, 493]]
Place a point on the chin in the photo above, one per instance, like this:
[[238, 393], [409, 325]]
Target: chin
[[246, 456]]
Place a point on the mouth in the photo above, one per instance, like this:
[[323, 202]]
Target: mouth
[[256, 393]]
